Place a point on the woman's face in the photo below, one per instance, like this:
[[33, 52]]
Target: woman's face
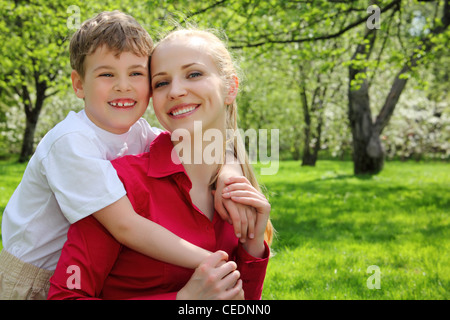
[[187, 86]]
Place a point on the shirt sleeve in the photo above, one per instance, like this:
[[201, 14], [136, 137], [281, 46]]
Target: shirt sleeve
[[253, 271], [82, 180], [86, 261], [160, 296]]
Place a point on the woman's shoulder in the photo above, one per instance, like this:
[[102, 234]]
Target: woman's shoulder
[[131, 163]]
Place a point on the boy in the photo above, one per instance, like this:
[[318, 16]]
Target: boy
[[70, 177]]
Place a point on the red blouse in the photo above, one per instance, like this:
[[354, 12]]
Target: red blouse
[[159, 191]]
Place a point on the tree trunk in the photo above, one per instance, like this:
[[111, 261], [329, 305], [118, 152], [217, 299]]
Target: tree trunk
[[368, 152], [310, 156], [307, 159], [28, 140], [32, 116]]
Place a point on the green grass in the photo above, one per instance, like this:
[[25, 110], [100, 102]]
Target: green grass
[[11, 173], [331, 226]]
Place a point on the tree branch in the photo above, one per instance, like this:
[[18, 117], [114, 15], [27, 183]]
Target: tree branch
[[400, 81], [190, 15], [322, 37]]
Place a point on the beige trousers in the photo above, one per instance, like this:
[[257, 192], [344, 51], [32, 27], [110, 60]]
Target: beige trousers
[[22, 281]]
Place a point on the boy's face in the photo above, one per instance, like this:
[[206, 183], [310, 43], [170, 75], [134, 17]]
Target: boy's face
[[116, 90]]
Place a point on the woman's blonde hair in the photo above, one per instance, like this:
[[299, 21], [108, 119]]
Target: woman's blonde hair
[[227, 70]]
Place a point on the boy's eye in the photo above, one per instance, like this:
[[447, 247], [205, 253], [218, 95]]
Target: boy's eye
[[137, 73], [106, 75]]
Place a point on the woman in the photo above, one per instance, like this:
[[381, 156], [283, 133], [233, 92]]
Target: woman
[[194, 88]]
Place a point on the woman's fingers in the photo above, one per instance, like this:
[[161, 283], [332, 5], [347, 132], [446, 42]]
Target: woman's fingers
[[237, 293]]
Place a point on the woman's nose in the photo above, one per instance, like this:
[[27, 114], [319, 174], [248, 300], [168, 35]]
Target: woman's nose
[[177, 89]]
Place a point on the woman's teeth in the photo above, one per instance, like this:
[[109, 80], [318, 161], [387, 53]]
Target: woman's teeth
[[183, 111]]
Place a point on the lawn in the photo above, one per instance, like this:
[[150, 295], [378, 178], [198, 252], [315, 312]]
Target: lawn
[[333, 226], [339, 235], [10, 175]]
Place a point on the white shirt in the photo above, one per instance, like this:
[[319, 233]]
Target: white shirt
[[68, 178]]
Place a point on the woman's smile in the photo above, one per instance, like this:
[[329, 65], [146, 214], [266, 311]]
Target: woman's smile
[[183, 110]]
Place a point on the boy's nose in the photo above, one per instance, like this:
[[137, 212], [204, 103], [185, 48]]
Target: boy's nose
[[122, 85]]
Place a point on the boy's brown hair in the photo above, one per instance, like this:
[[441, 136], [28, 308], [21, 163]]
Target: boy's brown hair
[[118, 31]]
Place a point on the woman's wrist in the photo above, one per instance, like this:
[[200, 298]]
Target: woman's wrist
[[255, 247]]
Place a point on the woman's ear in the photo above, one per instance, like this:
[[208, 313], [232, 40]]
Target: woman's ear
[[232, 91], [77, 84]]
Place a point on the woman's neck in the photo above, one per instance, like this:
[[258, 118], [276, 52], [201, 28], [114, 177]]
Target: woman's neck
[[201, 160], [201, 196], [200, 174]]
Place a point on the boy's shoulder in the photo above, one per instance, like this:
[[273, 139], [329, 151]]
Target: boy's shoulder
[[73, 123], [144, 126], [72, 126]]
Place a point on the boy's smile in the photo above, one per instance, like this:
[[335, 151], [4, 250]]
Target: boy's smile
[[122, 103], [115, 89]]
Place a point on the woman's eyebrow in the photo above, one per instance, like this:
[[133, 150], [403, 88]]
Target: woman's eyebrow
[[182, 68], [159, 74], [188, 65]]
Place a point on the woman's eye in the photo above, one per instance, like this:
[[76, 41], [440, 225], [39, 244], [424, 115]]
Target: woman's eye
[[160, 84], [194, 74]]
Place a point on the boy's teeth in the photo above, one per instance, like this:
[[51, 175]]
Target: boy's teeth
[[182, 111], [120, 104]]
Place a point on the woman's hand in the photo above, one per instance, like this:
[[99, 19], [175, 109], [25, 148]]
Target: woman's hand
[[214, 279], [240, 190]]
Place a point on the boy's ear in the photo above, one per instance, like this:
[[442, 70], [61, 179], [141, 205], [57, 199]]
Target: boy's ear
[[77, 84], [232, 91]]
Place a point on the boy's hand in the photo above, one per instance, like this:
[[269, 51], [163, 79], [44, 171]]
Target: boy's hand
[[241, 216], [240, 190]]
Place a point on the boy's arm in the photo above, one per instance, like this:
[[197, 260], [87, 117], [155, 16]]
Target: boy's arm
[[147, 237], [87, 258], [241, 216]]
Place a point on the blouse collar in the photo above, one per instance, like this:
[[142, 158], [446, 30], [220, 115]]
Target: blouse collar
[[160, 157]]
